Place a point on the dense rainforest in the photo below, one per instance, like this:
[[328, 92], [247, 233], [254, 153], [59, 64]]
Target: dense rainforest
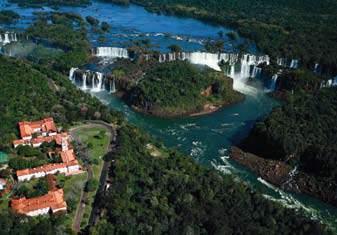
[[30, 92], [65, 31], [304, 30], [180, 88], [301, 133], [160, 191]]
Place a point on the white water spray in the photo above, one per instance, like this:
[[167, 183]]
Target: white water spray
[[111, 52]]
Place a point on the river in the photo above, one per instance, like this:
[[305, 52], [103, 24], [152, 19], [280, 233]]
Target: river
[[207, 138]]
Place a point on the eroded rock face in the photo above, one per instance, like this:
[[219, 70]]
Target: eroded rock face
[[274, 172], [288, 178]]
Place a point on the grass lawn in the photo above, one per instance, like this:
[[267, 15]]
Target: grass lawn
[[72, 186], [97, 140]]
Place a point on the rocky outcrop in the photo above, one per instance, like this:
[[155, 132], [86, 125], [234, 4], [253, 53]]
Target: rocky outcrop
[[286, 177], [274, 172]]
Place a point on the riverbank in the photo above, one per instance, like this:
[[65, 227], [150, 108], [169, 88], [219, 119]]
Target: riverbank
[[206, 110], [285, 176]]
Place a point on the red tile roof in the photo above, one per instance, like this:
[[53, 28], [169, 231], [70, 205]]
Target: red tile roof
[[44, 168], [20, 142], [41, 139], [46, 125], [59, 137], [68, 156], [54, 200]]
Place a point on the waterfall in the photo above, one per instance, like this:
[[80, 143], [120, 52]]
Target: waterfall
[[256, 72], [112, 52], [282, 62], [212, 60], [329, 83], [84, 80], [316, 68], [294, 64], [238, 67], [7, 38], [204, 58], [112, 86], [98, 81], [92, 81], [273, 82], [71, 73]]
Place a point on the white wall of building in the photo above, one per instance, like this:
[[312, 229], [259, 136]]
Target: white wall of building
[[42, 211]]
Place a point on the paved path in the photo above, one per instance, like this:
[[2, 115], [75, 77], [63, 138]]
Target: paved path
[[84, 195]]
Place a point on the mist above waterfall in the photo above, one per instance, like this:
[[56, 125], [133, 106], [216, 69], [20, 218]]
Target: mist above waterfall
[[239, 67], [111, 52]]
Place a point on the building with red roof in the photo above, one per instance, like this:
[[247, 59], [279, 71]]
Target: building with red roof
[[45, 127], [52, 202], [68, 156]]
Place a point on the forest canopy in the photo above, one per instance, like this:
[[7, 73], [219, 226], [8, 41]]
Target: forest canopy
[[302, 132], [160, 191], [177, 88], [66, 31]]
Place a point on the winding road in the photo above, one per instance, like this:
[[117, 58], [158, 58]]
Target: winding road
[[103, 175]]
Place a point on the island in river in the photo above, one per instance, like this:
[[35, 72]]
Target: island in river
[[178, 88]]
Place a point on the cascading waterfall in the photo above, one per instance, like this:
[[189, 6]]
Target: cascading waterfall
[[316, 68], [282, 62], [238, 67], [245, 72], [71, 73], [256, 72], [8, 37], [329, 83], [294, 63], [111, 52], [273, 82], [212, 60], [98, 81], [84, 80], [112, 86], [92, 81]]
